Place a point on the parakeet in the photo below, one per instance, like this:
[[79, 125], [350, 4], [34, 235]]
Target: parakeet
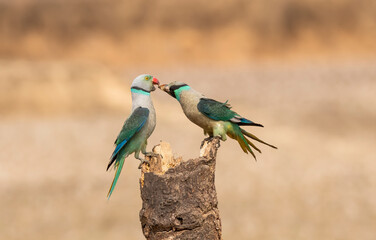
[[137, 128], [216, 118]]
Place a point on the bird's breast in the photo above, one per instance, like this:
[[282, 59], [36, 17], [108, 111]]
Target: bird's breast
[[145, 102], [189, 103]]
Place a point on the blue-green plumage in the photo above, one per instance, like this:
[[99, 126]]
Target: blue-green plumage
[[215, 118], [126, 140], [222, 112], [131, 126], [137, 128], [140, 91]]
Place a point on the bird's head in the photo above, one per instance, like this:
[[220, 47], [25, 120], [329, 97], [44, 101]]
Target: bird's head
[[144, 82], [174, 89]]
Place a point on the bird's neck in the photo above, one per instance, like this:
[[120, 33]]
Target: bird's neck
[[180, 90], [139, 90], [141, 99]]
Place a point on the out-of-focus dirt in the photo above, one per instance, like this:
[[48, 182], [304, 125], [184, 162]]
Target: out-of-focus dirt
[[169, 32]]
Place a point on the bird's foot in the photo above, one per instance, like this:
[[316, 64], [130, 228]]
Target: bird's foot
[[213, 137], [208, 138], [151, 154], [142, 162]]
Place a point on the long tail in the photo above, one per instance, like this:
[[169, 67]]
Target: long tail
[[256, 138], [119, 167], [239, 134]]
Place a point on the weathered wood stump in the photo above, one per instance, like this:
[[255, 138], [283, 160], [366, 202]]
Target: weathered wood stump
[[179, 200]]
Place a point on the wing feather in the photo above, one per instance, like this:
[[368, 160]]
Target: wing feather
[[222, 112], [132, 125], [215, 110]]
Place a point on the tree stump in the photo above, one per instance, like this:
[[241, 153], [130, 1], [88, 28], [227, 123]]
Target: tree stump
[[179, 200]]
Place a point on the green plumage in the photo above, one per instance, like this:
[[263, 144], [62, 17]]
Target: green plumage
[[216, 110], [127, 142], [132, 124], [118, 166], [215, 118], [231, 120]]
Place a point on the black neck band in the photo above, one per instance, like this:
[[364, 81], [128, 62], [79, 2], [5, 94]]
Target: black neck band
[[174, 88], [141, 89]]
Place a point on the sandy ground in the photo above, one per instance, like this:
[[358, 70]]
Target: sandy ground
[[319, 184]]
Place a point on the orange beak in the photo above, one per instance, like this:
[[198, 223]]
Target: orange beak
[[155, 81]]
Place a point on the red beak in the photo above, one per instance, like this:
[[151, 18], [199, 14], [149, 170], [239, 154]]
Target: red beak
[[155, 81]]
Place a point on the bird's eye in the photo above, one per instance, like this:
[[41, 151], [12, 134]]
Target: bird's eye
[[146, 78]]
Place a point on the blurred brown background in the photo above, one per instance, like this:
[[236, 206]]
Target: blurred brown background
[[305, 69]]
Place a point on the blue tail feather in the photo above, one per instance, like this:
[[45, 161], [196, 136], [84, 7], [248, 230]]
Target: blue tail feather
[[115, 153], [117, 149], [244, 121]]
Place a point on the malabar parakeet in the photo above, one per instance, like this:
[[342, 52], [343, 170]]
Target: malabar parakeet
[[215, 118], [137, 128]]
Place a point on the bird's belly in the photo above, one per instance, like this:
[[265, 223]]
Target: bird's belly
[[146, 131], [201, 120], [149, 126], [189, 103]]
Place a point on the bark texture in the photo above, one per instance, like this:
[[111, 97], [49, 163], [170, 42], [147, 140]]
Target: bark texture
[[179, 197]]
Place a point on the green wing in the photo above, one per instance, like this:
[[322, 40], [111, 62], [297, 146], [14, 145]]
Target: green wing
[[222, 112], [131, 126], [216, 110]]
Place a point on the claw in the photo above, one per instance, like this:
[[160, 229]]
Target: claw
[[151, 154], [208, 138], [142, 162]]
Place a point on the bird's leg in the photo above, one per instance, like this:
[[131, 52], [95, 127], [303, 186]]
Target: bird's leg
[[148, 154], [220, 132], [137, 156], [208, 138]]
